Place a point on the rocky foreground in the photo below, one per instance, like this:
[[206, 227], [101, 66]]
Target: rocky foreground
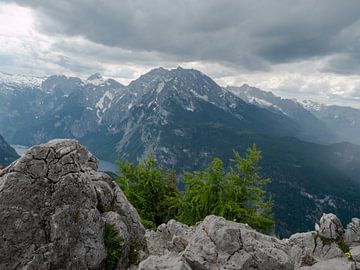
[[55, 209]]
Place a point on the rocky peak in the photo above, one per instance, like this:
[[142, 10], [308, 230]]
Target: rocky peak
[[95, 76], [96, 80], [54, 207], [184, 87]]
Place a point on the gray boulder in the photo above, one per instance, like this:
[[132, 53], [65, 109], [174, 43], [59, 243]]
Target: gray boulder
[[166, 262], [53, 209], [216, 243], [307, 249], [331, 227], [173, 236], [352, 232], [332, 264]]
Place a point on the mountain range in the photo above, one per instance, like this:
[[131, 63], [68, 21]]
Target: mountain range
[[186, 119]]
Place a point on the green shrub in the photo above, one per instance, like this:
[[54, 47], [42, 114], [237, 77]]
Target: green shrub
[[133, 255], [113, 246]]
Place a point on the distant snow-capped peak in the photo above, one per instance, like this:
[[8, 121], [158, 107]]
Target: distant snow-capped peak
[[23, 80], [95, 79]]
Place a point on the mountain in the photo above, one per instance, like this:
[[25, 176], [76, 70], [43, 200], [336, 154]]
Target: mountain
[[344, 121], [58, 107], [7, 153], [171, 104], [313, 129], [186, 119]]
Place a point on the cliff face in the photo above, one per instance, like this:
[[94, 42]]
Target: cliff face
[[56, 212]]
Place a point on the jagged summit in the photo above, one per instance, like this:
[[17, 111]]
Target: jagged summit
[[178, 81], [95, 76], [96, 79]]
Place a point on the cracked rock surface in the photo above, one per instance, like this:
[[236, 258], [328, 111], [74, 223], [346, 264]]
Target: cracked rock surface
[[331, 227], [218, 244], [53, 209]]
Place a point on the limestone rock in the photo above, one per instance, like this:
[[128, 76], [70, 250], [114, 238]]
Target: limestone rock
[[352, 232], [308, 249], [355, 253], [173, 236], [330, 227], [332, 264], [165, 262], [53, 209], [216, 243]]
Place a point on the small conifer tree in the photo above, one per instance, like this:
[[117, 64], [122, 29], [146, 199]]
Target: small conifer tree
[[150, 189], [236, 194]]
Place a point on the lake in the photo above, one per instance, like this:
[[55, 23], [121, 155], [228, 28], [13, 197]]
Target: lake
[[104, 166]]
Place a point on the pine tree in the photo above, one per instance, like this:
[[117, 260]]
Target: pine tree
[[150, 189], [236, 194]]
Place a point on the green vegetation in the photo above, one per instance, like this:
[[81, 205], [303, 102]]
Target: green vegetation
[[77, 217], [343, 246], [236, 194], [151, 190], [113, 246], [133, 255]]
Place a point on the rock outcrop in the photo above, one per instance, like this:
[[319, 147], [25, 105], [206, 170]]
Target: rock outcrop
[[216, 243], [58, 212], [54, 207]]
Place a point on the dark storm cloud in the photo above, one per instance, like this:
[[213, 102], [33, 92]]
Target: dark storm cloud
[[251, 34]]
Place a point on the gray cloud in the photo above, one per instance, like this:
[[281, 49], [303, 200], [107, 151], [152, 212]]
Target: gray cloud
[[251, 34]]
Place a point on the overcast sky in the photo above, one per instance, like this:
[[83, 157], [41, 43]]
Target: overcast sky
[[307, 49]]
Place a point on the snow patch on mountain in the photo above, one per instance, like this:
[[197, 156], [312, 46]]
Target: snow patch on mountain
[[20, 80], [311, 105], [160, 87], [96, 80], [203, 97], [103, 104]]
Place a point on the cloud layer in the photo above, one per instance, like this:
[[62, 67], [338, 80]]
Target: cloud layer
[[279, 38]]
